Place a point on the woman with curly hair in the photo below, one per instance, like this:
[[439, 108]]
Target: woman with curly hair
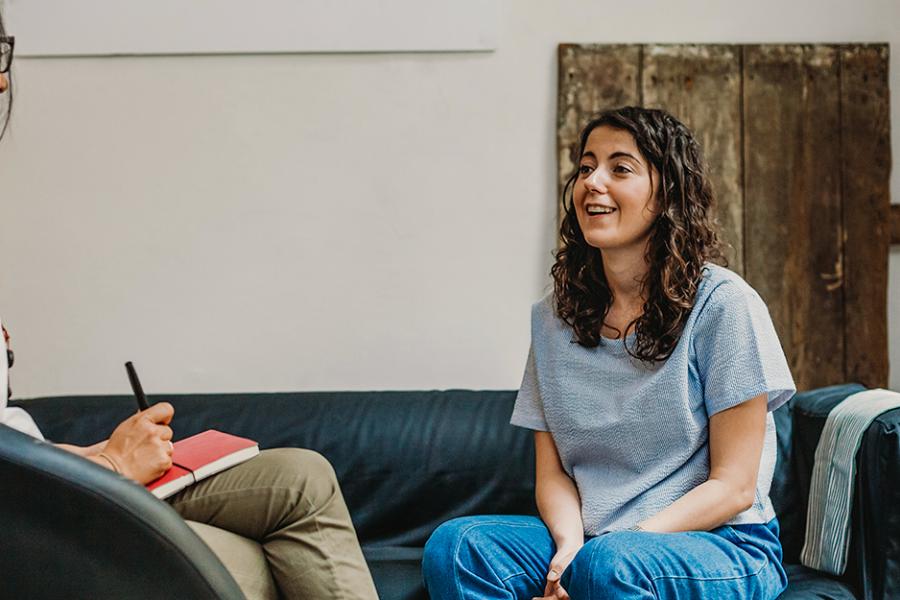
[[649, 385]]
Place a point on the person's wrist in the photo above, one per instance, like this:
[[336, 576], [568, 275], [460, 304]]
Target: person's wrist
[[121, 465], [109, 460], [569, 546], [573, 545]]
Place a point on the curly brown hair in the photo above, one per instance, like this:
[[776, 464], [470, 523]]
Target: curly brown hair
[[683, 237]]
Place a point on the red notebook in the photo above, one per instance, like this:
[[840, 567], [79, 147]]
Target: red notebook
[[200, 456]]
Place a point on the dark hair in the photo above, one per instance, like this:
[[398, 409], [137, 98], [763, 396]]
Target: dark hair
[[682, 238], [8, 93]]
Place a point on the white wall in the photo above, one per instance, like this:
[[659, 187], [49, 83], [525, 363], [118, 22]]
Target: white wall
[[298, 222]]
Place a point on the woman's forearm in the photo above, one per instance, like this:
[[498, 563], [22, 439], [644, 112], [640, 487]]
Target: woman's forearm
[[705, 507], [560, 507]]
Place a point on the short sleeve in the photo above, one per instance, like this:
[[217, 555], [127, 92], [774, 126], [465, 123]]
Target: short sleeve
[[738, 353], [14, 417], [529, 409]]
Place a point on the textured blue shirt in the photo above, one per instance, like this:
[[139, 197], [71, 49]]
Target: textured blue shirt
[[634, 436]]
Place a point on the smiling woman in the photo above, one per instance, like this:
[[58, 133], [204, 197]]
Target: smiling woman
[[649, 385]]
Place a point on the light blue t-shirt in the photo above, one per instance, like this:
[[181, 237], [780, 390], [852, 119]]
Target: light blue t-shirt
[[634, 436]]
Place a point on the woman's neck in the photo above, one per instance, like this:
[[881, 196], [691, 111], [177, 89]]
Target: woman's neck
[[625, 273]]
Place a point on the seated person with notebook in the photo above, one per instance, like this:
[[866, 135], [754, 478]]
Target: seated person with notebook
[[310, 546], [237, 501]]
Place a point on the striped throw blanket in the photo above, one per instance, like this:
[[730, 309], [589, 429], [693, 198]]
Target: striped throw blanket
[[827, 540]]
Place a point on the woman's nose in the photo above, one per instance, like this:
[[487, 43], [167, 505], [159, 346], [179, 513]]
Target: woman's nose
[[595, 182]]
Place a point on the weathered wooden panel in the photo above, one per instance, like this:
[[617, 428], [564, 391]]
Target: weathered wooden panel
[[701, 86], [866, 167], [592, 78], [792, 205], [895, 224]]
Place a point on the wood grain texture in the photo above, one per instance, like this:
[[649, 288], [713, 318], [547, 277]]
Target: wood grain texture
[[701, 86], [865, 173], [592, 78], [792, 204], [895, 224]]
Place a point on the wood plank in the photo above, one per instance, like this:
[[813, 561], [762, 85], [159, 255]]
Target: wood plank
[[866, 166], [895, 224], [792, 210], [701, 86], [592, 78]]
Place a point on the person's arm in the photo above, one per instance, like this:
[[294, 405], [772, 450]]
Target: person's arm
[[84, 451], [559, 504], [736, 437]]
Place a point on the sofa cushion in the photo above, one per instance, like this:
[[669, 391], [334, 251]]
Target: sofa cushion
[[397, 571], [807, 584]]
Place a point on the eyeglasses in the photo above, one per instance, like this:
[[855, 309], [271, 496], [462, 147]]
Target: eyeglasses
[[6, 52]]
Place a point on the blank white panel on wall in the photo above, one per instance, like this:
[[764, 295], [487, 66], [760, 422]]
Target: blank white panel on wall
[[117, 27]]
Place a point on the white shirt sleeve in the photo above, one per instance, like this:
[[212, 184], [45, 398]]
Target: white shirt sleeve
[[14, 417]]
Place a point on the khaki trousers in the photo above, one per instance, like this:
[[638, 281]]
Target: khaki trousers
[[279, 524]]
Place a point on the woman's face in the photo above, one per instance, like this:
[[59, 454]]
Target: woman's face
[[614, 199], [4, 82]]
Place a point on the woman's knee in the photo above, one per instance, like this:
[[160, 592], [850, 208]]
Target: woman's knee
[[605, 561], [451, 540], [443, 540]]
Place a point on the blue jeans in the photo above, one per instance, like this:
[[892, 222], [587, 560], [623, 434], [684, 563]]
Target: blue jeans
[[508, 557]]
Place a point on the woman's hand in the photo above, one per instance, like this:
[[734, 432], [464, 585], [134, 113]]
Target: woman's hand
[[554, 589], [141, 445]]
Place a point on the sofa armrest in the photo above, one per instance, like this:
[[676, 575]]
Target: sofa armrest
[[873, 566]]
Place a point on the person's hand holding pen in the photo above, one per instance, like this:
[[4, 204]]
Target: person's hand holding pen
[[140, 448]]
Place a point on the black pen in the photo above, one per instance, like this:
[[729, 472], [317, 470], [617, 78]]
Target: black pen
[[136, 386]]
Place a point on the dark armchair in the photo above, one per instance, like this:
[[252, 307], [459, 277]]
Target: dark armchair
[[72, 529]]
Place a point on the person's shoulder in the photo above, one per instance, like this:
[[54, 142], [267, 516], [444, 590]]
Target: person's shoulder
[[721, 285], [724, 292], [543, 309]]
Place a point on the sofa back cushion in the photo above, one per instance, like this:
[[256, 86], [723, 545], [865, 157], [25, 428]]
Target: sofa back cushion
[[407, 461]]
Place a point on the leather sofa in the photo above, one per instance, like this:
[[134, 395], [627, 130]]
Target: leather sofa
[[407, 461]]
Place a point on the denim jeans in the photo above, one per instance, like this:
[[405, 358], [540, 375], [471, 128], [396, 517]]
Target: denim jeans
[[508, 557]]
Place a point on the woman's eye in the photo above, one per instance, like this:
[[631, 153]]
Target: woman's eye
[[621, 169], [584, 169]]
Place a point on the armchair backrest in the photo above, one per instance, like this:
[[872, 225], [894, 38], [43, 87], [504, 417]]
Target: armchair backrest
[[70, 528]]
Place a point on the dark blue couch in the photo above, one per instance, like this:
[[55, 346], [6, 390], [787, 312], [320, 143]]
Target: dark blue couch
[[408, 461]]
